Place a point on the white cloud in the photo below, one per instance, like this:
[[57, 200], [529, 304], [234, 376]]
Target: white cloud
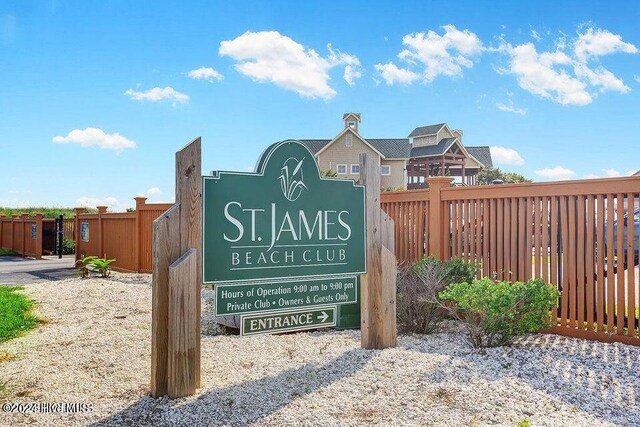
[[566, 75], [436, 54], [351, 74], [611, 173], [595, 42], [392, 74], [538, 74], [556, 173], [91, 202], [158, 94], [636, 77], [506, 156], [591, 176], [205, 73], [601, 77], [90, 137], [268, 56], [536, 35], [153, 191], [632, 172], [510, 108], [249, 168]]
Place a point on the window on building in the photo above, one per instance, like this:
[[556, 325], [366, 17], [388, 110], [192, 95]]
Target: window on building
[[351, 124], [349, 139], [385, 170], [355, 169], [341, 169]]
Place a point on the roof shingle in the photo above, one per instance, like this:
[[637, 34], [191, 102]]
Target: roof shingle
[[426, 130], [433, 150], [483, 154]]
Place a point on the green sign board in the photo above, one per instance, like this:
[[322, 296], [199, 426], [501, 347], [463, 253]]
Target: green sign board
[[283, 221], [256, 297], [34, 231], [284, 321]]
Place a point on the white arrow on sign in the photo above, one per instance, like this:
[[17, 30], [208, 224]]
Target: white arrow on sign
[[324, 317]]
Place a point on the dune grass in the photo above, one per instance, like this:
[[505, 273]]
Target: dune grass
[[15, 313], [47, 212]]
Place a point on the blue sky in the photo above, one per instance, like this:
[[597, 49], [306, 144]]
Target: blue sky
[[96, 97]]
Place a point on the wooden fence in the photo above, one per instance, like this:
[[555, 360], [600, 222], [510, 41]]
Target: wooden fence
[[22, 234], [69, 228], [578, 235], [125, 236]]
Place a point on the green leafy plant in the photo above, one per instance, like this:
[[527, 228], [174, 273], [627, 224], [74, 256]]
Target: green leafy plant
[[92, 263], [102, 266], [495, 313], [68, 247], [82, 266]]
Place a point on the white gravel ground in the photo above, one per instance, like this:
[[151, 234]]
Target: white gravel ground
[[95, 349]]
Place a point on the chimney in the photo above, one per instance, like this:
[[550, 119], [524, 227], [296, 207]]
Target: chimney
[[458, 133]]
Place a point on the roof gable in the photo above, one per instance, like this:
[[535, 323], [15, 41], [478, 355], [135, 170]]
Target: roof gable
[[354, 134], [426, 130]]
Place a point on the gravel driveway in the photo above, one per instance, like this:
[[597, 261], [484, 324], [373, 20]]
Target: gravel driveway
[[95, 349]]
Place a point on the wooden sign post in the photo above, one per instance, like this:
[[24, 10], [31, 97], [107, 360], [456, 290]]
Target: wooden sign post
[[378, 286], [177, 281]]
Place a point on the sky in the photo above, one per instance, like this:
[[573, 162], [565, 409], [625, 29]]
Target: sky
[[96, 97]]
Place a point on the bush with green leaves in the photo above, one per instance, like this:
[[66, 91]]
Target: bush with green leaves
[[92, 263], [495, 313], [68, 247]]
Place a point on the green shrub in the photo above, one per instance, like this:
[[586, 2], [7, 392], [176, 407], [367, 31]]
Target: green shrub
[[494, 313], [417, 306], [68, 247]]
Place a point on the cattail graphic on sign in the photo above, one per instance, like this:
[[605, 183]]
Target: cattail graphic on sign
[[292, 182]]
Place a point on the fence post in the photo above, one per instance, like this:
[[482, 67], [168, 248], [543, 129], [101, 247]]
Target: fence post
[[76, 230], [13, 231], [101, 210], [39, 236], [140, 203], [25, 216], [1, 227], [438, 231]]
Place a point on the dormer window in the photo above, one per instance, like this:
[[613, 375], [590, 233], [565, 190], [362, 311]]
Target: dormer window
[[349, 140]]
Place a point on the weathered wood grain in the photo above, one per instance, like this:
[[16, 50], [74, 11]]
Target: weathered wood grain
[[189, 196], [166, 250], [182, 336]]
